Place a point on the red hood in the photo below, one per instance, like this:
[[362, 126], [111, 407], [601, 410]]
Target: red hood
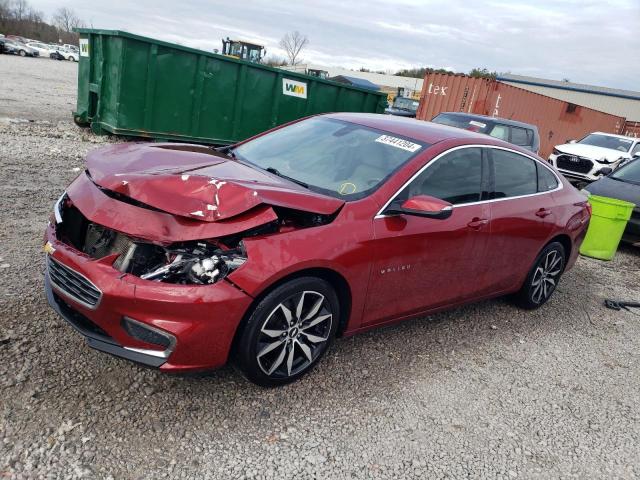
[[196, 182]]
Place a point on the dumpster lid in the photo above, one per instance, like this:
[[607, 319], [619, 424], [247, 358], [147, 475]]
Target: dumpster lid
[[197, 182]]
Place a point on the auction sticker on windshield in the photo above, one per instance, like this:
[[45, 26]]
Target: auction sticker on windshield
[[398, 143]]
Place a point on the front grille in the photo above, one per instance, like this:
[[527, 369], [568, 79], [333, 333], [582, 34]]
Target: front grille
[[72, 284], [574, 163]]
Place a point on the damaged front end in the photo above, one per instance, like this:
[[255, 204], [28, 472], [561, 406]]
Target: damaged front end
[[185, 261]]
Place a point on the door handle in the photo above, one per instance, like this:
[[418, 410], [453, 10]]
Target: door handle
[[543, 212], [477, 223]]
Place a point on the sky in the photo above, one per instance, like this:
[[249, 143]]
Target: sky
[[593, 42]]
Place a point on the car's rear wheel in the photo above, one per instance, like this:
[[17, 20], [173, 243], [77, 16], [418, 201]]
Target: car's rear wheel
[[288, 331], [543, 277]]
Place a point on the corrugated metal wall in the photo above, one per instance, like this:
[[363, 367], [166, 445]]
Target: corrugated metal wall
[[557, 121], [624, 107]]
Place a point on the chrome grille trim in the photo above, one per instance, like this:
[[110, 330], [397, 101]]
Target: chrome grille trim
[[72, 284]]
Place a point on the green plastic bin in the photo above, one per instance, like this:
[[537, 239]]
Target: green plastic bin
[[608, 220], [138, 86]]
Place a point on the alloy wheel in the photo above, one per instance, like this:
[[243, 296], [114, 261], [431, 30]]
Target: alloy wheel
[[545, 277], [294, 334]]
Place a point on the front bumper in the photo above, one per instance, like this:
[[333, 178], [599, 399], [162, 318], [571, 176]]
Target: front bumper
[[202, 319], [591, 175]]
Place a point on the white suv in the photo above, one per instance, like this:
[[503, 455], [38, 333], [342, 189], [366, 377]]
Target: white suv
[[583, 160]]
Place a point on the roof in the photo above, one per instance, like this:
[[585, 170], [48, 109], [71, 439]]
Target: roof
[[613, 135], [420, 130], [356, 82], [504, 121], [576, 87]]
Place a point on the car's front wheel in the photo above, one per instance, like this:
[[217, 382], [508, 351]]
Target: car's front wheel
[[22, 53], [288, 331], [543, 277]]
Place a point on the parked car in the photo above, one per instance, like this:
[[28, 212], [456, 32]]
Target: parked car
[[583, 160], [70, 55], [6, 46], [522, 134], [403, 107], [43, 49], [623, 184], [18, 48], [182, 257]]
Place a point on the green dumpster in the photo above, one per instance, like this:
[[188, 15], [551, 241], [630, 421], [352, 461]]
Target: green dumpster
[[137, 86], [608, 221]]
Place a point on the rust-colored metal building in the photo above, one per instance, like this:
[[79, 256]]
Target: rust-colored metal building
[[557, 121]]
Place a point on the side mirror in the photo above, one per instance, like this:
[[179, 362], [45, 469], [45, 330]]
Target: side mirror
[[572, 141], [422, 206], [636, 155], [604, 171]]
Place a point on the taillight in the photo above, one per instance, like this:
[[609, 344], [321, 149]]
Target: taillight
[[588, 205]]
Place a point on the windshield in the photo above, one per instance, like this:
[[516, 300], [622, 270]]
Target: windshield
[[337, 158], [605, 141], [628, 173], [406, 104]]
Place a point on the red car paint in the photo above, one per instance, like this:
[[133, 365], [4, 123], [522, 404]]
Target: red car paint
[[393, 267]]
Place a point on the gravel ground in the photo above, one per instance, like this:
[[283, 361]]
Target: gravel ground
[[481, 391]]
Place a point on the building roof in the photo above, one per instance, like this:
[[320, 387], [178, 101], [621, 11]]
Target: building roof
[[356, 82], [576, 87], [381, 79]]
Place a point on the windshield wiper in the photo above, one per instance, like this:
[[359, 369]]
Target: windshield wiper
[[275, 171]]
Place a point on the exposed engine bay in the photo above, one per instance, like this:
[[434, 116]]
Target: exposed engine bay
[[200, 262]]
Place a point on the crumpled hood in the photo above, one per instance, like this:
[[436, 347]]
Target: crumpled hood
[[591, 152], [196, 182]]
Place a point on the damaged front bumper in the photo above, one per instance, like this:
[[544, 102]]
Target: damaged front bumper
[[173, 327]]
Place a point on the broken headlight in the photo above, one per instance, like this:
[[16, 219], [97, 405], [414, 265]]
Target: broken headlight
[[194, 263]]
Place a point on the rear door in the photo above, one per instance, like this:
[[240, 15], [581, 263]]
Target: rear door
[[522, 214]]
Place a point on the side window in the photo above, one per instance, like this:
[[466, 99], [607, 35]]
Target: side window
[[546, 179], [521, 136], [636, 149], [514, 175], [501, 132], [455, 178]]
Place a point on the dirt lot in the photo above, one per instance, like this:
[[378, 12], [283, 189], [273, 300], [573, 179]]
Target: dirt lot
[[482, 391]]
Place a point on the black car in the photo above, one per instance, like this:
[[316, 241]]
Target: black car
[[519, 133], [623, 184]]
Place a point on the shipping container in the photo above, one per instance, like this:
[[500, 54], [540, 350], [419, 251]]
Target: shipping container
[[557, 121], [138, 86]]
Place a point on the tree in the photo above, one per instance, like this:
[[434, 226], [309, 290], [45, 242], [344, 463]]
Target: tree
[[483, 73], [66, 19], [292, 44]]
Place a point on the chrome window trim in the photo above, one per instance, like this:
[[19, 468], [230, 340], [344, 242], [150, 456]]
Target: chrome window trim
[[460, 147]]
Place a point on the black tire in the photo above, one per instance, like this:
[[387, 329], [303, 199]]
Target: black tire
[[543, 278], [22, 53], [271, 361]]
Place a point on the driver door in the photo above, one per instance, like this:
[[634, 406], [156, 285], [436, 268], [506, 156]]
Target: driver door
[[423, 263]]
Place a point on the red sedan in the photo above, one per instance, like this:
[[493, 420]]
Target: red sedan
[[183, 257]]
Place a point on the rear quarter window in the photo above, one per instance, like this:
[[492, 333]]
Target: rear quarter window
[[514, 174], [521, 136]]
